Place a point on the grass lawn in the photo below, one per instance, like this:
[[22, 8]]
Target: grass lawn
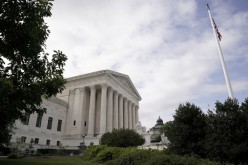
[[46, 161]]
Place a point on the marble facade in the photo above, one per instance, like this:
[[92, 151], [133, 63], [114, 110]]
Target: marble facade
[[91, 105], [99, 102]]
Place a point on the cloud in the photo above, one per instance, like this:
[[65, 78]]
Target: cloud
[[166, 47]]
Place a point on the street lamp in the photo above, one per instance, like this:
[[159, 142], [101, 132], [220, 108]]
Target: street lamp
[[82, 145], [83, 136]]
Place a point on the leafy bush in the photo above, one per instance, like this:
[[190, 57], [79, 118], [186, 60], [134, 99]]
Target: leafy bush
[[154, 157], [4, 150], [12, 156], [38, 154], [161, 159], [108, 153], [122, 138], [129, 150], [102, 153], [92, 151], [55, 152], [132, 158]]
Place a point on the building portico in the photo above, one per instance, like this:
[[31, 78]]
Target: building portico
[[99, 102]]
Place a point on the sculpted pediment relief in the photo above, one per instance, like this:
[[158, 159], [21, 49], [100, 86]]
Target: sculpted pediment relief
[[100, 75], [125, 80]]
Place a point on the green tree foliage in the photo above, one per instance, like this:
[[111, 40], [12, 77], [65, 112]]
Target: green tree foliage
[[122, 138], [25, 71], [227, 135], [186, 132]]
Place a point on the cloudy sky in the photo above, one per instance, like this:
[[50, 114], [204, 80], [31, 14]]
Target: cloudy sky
[[166, 47]]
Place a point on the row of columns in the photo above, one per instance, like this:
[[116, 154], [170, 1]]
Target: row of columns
[[116, 111]]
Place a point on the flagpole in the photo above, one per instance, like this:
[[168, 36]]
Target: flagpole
[[228, 82]]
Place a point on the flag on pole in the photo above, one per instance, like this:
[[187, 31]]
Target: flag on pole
[[217, 31], [218, 38]]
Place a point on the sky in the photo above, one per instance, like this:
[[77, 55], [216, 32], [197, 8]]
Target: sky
[[166, 47]]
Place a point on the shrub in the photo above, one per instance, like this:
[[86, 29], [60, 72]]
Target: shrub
[[92, 151], [108, 153], [155, 157], [161, 159], [38, 154], [12, 156], [55, 152], [102, 153], [4, 150], [129, 150], [122, 138], [132, 158]]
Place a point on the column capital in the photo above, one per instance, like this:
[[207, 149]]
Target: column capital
[[110, 90], [104, 86], [120, 96], [93, 88], [115, 91], [72, 91]]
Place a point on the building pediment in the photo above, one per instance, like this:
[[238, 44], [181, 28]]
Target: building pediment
[[120, 78], [125, 81]]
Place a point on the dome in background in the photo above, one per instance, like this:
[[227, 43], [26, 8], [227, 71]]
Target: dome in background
[[160, 121]]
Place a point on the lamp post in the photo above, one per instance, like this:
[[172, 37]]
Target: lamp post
[[83, 136], [82, 145]]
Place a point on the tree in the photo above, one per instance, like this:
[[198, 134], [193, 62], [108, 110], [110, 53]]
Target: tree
[[122, 138], [227, 135], [186, 132], [26, 74]]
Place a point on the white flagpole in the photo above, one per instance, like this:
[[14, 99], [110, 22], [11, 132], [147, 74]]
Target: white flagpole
[[228, 83]]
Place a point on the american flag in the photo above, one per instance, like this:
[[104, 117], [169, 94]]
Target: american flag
[[217, 31]]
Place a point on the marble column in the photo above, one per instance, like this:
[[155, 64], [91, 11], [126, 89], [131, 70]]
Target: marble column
[[130, 114], [103, 115], [133, 116], [137, 114], [92, 112], [70, 111], [121, 111], [125, 114], [82, 110], [110, 111], [116, 114]]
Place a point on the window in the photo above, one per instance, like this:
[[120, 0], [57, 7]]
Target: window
[[58, 143], [36, 141], [48, 142], [38, 121], [23, 139], [49, 123], [59, 125], [74, 122], [85, 123], [25, 121]]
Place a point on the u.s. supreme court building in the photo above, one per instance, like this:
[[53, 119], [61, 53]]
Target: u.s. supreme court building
[[90, 105]]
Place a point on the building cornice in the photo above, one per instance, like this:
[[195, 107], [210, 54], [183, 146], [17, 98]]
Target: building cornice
[[77, 79], [58, 101]]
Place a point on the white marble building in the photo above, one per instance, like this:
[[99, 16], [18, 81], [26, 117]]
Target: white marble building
[[91, 105]]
